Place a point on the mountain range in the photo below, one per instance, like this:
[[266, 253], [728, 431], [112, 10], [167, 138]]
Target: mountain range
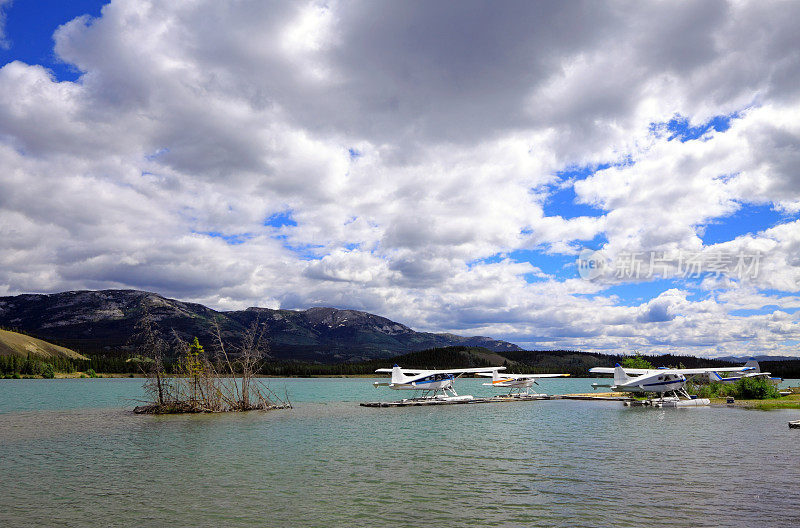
[[744, 359], [104, 321]]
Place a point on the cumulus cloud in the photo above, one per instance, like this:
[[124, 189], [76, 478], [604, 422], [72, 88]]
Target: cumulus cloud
[[393, 157]]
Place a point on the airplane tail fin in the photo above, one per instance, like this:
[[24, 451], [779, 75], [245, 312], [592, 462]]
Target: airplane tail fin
[[753, 364], [495, 375], [397, 375], [619, 375]]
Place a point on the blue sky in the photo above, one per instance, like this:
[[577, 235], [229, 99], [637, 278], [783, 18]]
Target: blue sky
[[749, 218], [309, 154], [29, 29]]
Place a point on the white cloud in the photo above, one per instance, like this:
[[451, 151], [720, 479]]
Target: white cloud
[[415, 146]]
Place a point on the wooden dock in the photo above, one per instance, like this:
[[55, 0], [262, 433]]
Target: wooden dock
[[598, 396], [412, 402]]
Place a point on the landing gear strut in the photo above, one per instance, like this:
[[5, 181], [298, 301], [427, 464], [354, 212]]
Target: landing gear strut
[[435, 393]]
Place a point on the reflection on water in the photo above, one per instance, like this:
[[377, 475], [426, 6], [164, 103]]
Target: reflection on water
[[84, 460]]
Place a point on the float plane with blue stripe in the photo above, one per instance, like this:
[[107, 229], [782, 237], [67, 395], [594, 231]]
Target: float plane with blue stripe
[[517, 381], [755, 372], [430, 382], [661, 380]]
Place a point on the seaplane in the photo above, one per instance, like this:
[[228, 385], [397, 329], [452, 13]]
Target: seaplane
[[433, 384], [517, 381], [714, 377], [661, 380]]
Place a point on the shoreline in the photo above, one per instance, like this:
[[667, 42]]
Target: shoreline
[[792, 401]]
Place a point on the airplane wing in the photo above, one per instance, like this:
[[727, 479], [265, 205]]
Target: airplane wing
[[407, 372], [639, 372], [467, 370], [711, 369], [525, 376], [629, 371], [413, 372]]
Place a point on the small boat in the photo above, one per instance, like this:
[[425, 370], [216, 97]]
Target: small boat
[[795, 424]]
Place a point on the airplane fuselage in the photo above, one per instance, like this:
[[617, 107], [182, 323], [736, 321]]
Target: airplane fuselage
[[653, 383], [432, 382]]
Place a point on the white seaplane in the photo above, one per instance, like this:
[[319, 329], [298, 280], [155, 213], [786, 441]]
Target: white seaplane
[[517, 381], [430, 382], [714, 377], [661, 380]]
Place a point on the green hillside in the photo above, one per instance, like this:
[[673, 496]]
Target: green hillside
[[21, 345]]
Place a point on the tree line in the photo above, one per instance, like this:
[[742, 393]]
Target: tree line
[[37, 366], [570, 362]]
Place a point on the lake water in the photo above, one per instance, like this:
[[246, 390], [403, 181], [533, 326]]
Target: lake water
[[72, 454]]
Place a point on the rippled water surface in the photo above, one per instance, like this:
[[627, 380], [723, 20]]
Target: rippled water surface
[[72, 454]]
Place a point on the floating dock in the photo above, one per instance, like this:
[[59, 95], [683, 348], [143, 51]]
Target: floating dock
[[459, 400]]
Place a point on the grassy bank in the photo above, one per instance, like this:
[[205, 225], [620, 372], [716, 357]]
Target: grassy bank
[[751, 394], [785, 402]]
